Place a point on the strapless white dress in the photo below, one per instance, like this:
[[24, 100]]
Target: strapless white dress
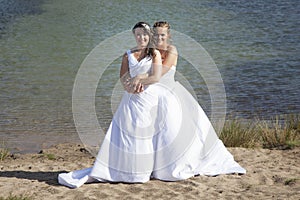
[[161, 133]]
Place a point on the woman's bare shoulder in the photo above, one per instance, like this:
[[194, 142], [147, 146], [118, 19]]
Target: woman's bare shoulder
[[132, 50], [125, 55], [156, 52], [172, 49]]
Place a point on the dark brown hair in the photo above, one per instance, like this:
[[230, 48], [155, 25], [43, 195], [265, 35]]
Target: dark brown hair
[[146, 27]]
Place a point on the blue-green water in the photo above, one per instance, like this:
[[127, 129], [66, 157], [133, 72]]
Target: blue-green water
[[255, 45]]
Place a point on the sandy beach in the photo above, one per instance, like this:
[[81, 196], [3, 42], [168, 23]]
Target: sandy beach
[[271, 174]]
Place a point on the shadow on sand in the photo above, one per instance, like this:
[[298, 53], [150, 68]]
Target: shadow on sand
[[48, 177]]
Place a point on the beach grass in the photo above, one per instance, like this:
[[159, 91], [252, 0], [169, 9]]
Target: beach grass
[[291, 181], [280, 132], [50, 156], [237, 133], [4, 152], [277, 135], [15, 197]]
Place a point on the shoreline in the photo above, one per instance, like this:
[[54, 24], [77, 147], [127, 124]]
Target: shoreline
[[272, 174], [236, 132]]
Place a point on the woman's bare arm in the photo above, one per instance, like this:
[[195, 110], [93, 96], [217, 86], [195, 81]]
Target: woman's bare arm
[[124, 74], [124, 66], [170, 60], [153, 77]]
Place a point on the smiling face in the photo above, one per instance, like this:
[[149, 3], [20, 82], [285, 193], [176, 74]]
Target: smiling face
[[162, 37], [141, 37]]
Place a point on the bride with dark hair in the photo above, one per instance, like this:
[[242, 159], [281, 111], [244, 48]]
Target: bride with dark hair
[[159, 130]]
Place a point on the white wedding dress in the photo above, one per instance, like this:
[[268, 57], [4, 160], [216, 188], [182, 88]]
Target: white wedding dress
[[161, 133]]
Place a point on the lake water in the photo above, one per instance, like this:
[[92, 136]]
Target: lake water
[[255, 45]]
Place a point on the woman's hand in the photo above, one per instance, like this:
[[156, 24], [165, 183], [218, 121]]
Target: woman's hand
[[136, 85], [127, 84], [133, 85]]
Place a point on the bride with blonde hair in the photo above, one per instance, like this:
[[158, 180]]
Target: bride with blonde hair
[[159, 131]]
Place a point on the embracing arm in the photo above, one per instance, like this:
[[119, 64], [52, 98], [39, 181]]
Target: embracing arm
[[124, 71], [170, 59], [155, 74], [124, 74]]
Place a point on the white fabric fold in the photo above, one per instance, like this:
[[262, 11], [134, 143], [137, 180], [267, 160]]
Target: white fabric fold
[[161, 133]]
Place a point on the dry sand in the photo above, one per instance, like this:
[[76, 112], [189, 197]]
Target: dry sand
[[271, 174]]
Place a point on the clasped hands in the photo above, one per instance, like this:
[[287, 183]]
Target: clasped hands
[[133, 85]]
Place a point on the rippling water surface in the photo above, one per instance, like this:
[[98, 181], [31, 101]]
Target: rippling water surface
[[255, 45]]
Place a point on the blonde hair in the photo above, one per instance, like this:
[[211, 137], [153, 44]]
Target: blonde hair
[[162, 24]]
